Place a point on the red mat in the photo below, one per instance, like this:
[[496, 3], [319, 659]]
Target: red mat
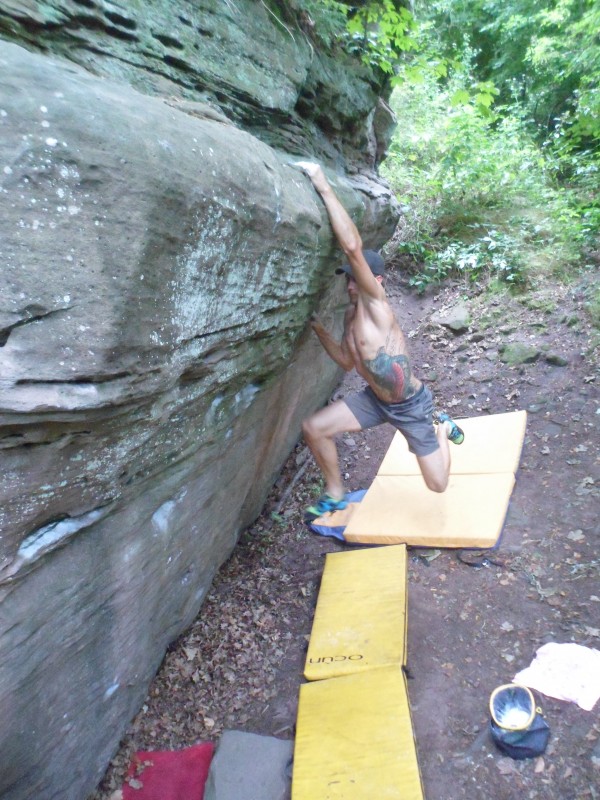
[[168, 774]]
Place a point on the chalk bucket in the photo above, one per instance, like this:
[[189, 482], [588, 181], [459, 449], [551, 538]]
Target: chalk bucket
[[516, 725]]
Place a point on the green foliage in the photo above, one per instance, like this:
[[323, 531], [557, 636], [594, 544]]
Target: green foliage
[[493, 256], [479, 197], [381, 30], [456, 153], [543, 53], [376, 31], [479, 84]]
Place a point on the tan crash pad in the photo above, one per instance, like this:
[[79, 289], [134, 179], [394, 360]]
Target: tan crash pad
[[360, 619], [354, 740], [401, 509], [492, 444]]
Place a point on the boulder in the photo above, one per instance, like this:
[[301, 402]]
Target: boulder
[[515, 353], [159, 265], [556, 359], [457, 318], [260, 66]]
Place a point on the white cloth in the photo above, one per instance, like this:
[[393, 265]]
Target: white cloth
[[565, 671]]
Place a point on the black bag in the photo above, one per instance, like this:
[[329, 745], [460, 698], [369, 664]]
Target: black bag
[[528, 743], [516, 726]]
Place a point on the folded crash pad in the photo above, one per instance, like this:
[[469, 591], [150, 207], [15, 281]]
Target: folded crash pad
[[401, 509], [398, 507], [360, 618], [354, 739], [492, 444]]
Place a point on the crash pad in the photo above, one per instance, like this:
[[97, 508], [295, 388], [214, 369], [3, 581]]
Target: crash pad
[[249, 766], [492, 444], [168, 774], [360, 618], [354, 739], [401, 509]]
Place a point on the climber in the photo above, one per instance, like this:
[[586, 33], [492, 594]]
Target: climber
[[375, 346]]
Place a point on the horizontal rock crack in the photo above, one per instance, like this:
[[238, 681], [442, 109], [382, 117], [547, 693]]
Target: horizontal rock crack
[[6, 332]]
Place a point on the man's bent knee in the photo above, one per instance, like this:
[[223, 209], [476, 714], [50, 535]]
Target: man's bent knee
[[313, 430], [435, 470], [436, 484], [329, 422], [307, 428]]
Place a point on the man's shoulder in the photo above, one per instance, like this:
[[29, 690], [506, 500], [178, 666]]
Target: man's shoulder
[[377, 303]]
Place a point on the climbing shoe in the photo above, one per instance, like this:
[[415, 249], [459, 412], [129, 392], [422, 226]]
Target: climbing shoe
[[325, 504], [456, 435]]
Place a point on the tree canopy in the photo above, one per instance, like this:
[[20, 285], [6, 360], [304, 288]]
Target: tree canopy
[[545, 54], [496, 156]]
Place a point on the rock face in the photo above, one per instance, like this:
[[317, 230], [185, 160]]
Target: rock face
[[160, 258]]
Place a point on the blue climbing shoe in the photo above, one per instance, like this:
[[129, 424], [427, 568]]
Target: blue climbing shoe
[[324, 505], [456, 434]]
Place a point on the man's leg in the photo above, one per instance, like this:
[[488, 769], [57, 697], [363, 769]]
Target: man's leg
[[435, 467], [319, 432]]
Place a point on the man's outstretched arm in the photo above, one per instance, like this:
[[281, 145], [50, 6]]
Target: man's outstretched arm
[[344, 228]]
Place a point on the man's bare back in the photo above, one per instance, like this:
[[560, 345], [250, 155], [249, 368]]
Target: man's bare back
[[379, 353]]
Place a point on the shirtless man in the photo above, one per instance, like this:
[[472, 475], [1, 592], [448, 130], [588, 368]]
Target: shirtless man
[[374, 345]]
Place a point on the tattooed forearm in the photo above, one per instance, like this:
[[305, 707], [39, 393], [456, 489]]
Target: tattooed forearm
[[392, 374]]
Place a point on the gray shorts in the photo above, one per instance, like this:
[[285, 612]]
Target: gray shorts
[[412, 417]]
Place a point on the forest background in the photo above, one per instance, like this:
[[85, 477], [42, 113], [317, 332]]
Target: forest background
[[496, 156]]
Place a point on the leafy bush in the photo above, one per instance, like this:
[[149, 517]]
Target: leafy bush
[[480, 199], [376, 31], [494, 256]]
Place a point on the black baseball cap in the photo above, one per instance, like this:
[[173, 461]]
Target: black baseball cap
[[373, 259]]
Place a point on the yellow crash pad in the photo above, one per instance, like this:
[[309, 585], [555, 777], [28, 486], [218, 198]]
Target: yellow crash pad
[[354, 740], [401, 509], [360, 619], [492, 444]]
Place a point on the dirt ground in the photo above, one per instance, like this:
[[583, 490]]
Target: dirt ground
[[470, 627]]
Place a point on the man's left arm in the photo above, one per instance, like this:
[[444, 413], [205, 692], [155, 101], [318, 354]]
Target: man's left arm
[[345, 231], [336, 351]]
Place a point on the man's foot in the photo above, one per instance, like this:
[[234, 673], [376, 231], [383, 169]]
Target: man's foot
[[455, 434], [325, 504]]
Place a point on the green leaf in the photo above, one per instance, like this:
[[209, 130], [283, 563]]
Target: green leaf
[[459, 98]]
